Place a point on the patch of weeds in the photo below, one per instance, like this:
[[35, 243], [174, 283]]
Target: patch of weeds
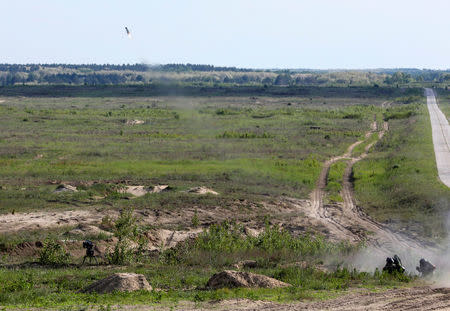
[[53, 253], [236, 134], [195, 220]]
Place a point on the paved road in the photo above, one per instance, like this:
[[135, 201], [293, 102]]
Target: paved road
[[441, 137]]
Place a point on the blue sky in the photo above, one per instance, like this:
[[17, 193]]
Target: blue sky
[[244, 33]]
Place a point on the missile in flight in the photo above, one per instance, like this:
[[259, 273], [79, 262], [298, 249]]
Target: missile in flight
[[128, 32]]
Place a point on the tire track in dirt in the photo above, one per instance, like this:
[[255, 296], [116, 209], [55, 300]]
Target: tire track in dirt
[[319, 209], [347, 221], [415, 298]]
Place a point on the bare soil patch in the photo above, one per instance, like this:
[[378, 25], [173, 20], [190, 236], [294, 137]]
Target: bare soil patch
[[139, 191], [10, 223], [65, 188], [202, 190], [134, 122], [417, 298]]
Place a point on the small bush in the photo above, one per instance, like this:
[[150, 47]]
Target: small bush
[[126, 230], [121, 254], [53, 254], [195, 220]]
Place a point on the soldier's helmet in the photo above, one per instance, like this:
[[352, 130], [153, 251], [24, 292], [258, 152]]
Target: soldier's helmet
[[422, 262], [389, 260]]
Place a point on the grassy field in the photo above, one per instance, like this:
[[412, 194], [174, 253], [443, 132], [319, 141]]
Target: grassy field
[[248, 149], [444, 101], [334, 180], [238, 146], [188, 89], [47, 287], [398, 182], [181, 273]]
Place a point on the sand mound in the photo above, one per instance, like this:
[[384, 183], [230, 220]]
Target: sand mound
[[160, 188], [139, 191], [202, 190], [134, 122], [88, 230], [122, 282], [230, 279], [65, 188]]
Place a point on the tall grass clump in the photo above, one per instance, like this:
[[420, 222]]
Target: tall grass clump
[[225, 243]]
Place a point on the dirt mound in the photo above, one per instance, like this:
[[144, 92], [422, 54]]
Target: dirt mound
[[202, 190], [134, 122], [122, 282], [168, 238], [160, 188], [88, 230], [65, 188], [139, 191], [230, 279]]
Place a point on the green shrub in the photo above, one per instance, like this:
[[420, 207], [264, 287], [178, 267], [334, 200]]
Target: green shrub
[[53, 254], [121, 254], [195, 220], [126, 230]]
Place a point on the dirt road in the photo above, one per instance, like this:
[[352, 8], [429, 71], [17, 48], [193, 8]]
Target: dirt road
[[441, 137], [417, 298], [347, 221]]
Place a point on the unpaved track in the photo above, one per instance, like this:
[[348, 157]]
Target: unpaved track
[[417, 298], [321, 211], [441, 137], [348, 222]]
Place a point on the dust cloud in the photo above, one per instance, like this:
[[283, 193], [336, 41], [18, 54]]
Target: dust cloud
[[374, 255]]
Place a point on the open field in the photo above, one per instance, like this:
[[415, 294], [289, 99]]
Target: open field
[[237, 146], [398, 182], [204, 89], [444, 101], [263, 156]]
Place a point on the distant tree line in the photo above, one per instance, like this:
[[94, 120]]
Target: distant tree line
[[198, 67], [107, 74]]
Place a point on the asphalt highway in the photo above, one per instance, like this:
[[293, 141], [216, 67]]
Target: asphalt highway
[[441, 137]]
